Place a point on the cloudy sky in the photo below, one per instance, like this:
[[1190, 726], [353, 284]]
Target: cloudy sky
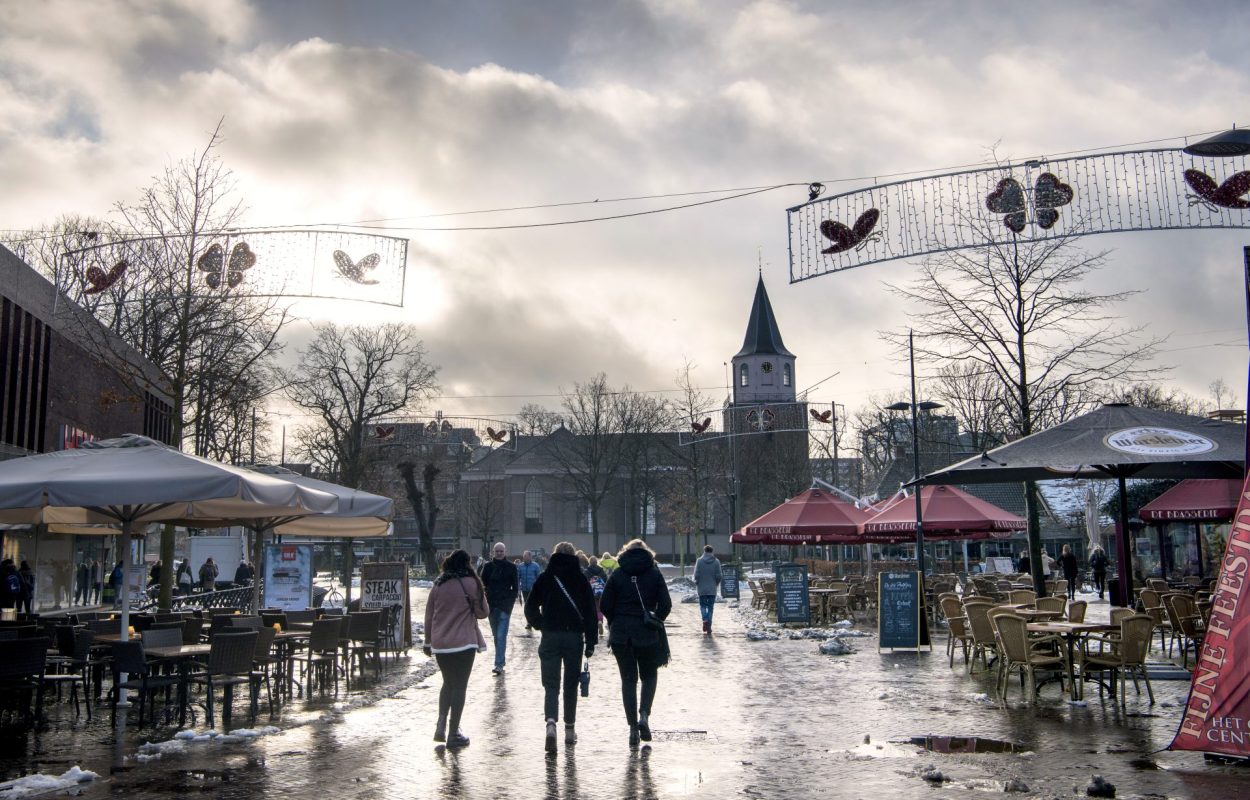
[[341, 112]]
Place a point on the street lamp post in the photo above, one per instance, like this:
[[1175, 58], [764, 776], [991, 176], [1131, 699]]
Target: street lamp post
[[913, 407]]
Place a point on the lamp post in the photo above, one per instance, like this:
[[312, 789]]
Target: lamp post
[[913, 407]]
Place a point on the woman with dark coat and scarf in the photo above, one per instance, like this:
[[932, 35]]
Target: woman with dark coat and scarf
[[635, 587], [563, 608]]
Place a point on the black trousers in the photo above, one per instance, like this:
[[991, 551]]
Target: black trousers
[[560, 649], [636, 663], [456, 668], [1100, 581]]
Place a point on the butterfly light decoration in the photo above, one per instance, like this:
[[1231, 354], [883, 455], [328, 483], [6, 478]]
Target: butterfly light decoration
[[821, 416], [101, 280], [213, 260], [356, 271], [1228, 194], [384, 432], [496, 436], [856, 236], [761, 420], [701, 427], [1049, 194]]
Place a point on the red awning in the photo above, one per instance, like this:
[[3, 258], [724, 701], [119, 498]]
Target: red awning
[[1195, 500], [948, 513], [812, 517]]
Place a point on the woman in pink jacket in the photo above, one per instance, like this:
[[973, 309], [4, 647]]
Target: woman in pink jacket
[[452, 636]]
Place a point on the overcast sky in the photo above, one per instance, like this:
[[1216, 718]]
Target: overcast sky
[[339, 112]]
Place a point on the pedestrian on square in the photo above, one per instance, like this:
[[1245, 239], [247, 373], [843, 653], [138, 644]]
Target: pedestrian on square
[[456, 603], [97, 580], [82, 583], [527, 573], [1067, 561], [242, 574], [1098, 565], [608, 562], [183, 577], [208, 575], [707, 578], [636, 591], [154, 574], [26, 598], [10, 584], [1023, 565], [562, 607], [499, 576], [115, 584]]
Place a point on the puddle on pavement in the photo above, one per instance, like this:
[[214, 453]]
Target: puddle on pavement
[[962, 744]]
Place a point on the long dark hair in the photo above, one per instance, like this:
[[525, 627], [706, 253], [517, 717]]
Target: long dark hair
[[457, 565]]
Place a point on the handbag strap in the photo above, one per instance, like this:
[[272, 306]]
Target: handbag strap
[[641, 602], [580, 618]]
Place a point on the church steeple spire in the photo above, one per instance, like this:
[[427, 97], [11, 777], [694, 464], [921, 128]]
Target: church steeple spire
[[763, 368], [763, 336]]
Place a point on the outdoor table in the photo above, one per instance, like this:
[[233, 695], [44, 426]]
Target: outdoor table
[[182, 655], [1070, 631], [287, 642], [821, 596]]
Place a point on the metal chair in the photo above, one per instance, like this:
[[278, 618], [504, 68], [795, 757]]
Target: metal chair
[[321, 659], [229, 665], [364, 640], [128, 658], [22, 666]]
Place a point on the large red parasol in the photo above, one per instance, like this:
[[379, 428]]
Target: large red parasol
[[1194, 500], [812, 517], [948, 514]]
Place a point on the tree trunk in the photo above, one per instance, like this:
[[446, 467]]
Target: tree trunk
[[425, 540]]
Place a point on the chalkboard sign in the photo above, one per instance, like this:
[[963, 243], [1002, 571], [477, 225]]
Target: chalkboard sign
[[729, 582], [901, 620], [793, 603]]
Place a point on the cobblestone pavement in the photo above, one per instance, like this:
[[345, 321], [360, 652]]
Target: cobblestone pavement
[[733, 717]]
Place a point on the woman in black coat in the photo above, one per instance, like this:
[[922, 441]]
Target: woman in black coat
[[562, 607], [636, 584]]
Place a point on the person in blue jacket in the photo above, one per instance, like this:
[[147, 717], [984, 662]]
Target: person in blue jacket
[[526, 573]]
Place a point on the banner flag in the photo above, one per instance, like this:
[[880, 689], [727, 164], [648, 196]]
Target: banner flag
[[1217, 716]]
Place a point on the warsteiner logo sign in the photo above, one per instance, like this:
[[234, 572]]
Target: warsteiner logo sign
[[1150, 441]]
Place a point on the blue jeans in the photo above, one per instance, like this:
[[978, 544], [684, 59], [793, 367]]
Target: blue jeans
[[499, 630], [707, 602]]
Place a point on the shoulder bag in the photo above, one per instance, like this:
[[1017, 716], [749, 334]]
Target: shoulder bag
[[649, 619]]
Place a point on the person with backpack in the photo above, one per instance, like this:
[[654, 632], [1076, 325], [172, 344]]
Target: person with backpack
[[562, 608], [115, 585], [635, 603], [208, 575], [182, 578]]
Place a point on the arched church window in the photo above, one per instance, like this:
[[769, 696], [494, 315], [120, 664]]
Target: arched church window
[[743, 376], [785, 375], [533, 506]]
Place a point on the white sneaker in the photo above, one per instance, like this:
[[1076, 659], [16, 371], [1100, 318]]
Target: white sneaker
[[551, 735]]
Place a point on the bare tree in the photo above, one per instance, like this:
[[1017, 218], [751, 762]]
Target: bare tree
[[534, 420], [974, 397], [592, 453], [350, 378], [1152, 395], [1016, 312], [483, 508], [424, 508]]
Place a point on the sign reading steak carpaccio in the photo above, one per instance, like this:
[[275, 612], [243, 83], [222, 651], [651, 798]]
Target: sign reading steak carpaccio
[[1217, 717]]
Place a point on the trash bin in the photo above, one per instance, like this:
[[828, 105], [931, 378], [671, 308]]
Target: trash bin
[[1114, 592]]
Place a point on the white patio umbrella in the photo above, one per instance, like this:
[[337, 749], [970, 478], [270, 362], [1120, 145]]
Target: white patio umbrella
[[359, 515], [133, 480], [1092, 527]]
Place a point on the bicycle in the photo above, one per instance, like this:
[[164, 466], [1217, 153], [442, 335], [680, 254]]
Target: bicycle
[[333, 598]]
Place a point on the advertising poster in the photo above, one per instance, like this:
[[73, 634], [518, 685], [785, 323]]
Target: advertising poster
[[288, 576], [385, 585]]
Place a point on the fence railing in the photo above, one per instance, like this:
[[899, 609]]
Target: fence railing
[[238, 597]]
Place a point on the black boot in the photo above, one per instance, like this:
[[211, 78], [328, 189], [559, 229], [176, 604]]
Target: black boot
[[633, 737], [440, 729]]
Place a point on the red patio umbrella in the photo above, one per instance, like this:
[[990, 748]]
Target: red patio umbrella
[[1195, 500], [948, 513], [812, 517]]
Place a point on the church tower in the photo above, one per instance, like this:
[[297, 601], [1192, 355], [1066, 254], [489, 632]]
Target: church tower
[[763, 370]]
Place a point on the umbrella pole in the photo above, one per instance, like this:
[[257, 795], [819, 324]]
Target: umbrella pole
[[123, 548], [1198, 547], [1124, 549], [258, 562]]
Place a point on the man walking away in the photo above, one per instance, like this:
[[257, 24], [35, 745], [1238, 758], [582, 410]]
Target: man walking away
[[527, 573], [208, 575], [707, 577], [1098, 565], [499, 576]]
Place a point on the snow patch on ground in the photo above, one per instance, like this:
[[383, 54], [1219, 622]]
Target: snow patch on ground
[[882, 750], [180, 743], [30, 785]]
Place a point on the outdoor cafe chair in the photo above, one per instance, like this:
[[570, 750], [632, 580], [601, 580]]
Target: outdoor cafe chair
[[192, 630], [22, 665], [1026, 654], [1022, 596], [1121, 655], [983, 642], [270, 618], [263, 661], [1076, 610], [364, 640], [321, 658], [1192, 630], [72, 664], [304, 615], [128, 657], [229, 665], [957, 626], [1054, 604], [246, 621], [1174, 622]]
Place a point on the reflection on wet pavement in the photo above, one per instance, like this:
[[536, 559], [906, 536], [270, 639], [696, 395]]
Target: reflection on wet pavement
[[732, 717]]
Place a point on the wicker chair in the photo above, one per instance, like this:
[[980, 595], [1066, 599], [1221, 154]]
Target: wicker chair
[[1121, 655], [1054, 604], [1022, 596], [1189, 627], [1023, 653], [983, 642], [229, 664], [957, 626], [1076, 610]]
